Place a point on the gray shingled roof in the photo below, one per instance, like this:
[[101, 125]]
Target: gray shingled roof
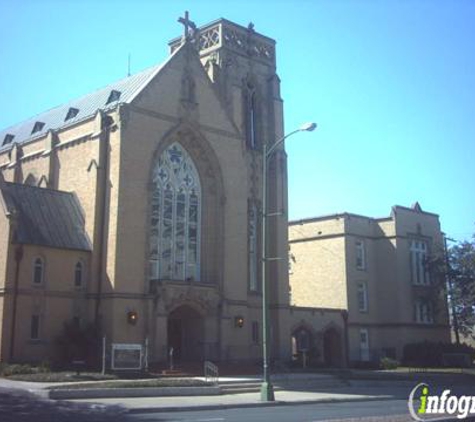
[[46, 217], [86, 106]]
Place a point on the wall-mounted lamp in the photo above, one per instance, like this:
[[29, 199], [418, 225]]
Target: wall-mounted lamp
[[132, 317], [238, 321]]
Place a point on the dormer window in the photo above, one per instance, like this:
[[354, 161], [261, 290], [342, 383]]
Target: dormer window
[[72, 112], [113, 96], [8, 139], [38, 127]]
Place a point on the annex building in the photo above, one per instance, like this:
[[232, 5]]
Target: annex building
[[381, 271]]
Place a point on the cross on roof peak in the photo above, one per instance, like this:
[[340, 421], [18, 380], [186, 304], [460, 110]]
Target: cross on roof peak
[[189, 26]]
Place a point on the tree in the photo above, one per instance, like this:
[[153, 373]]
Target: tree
[[461, 277], [78, 342]]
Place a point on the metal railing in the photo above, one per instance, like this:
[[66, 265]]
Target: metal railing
[[211, 372]]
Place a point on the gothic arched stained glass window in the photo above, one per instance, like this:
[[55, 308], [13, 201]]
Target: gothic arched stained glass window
[[175, 218]]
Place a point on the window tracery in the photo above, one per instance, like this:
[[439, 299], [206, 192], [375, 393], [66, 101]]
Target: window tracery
[[175, 218]]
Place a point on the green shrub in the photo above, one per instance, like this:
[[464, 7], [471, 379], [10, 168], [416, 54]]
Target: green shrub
[[17, 369], [44, 367], [430, 354], [7, 370], [78, 342], [388, 363]]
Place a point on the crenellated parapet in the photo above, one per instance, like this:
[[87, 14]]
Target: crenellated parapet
[[230, 36]]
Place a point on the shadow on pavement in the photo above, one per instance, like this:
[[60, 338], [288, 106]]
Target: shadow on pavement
[[22, 406]]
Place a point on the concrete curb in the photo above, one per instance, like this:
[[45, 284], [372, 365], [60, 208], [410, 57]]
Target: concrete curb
[[138, 410], [96, 393]]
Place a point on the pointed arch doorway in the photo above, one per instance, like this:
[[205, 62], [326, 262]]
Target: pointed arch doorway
[[185, 334]]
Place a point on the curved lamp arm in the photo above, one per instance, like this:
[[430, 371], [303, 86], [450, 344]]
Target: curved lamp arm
[[306, 127]]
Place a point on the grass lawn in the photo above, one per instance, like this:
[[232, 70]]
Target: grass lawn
[[404, 369], [147, 383], [62, 377], [407, 373]]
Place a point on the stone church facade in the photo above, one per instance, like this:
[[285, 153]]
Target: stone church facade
[[137, 207]]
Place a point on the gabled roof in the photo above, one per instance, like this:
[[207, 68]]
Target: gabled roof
[[122, 91], [46, 217]]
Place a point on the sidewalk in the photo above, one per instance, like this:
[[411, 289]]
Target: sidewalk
[[225, 401], [298, 392]]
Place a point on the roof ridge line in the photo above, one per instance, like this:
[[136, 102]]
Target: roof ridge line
[[154, 74], [38, 187]]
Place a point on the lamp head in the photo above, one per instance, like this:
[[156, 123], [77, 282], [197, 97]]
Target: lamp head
[[308, 127]]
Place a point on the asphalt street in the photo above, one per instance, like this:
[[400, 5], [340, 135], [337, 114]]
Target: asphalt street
[[370, 411], [21, 406]]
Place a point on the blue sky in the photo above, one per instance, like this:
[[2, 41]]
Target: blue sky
[[390, 83]]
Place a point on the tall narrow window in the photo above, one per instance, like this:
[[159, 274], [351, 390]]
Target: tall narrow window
[[175, 217], [419, 271], [303, 340], [362, 297], [251, 116], [35, 327], [78, 274], [253, 253], [255, 332], [38, 271], [360, 255], [364, 345], [423, 311]]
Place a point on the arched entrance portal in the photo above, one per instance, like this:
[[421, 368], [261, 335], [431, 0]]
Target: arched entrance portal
[[185, 334], [332, 348]]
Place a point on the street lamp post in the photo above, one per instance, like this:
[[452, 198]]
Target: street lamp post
[[267, 391]]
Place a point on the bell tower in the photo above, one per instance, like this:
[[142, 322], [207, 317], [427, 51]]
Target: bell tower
[[241, 63]]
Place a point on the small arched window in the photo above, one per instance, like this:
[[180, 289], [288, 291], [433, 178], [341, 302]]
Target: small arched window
[[303, 340], [78, 274], [38, 271]]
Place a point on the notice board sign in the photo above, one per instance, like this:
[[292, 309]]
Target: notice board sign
[[127, 356]]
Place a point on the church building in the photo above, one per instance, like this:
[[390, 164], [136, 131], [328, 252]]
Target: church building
[[137, 208]]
